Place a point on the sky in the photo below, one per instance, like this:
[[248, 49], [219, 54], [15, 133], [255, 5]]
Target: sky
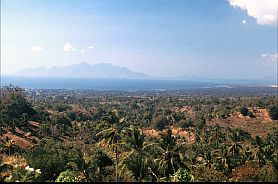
[[209, 38]]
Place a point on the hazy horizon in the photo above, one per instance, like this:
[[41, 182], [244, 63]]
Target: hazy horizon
[[234, 39], [185, 77]]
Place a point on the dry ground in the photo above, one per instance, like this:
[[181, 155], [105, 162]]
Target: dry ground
[[187, 134], [21, 138], [261, 125]]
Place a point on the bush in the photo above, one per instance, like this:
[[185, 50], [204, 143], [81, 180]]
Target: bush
[[102, 161], [62, 121], [50, 157], [14, 107], [72, 115], [186, 124], [224, 112], [273, 112], [160, 122], [27, 174], [68, 176], [244, 111], [201, 123], [251, 115], [182, 175], [61, 107]]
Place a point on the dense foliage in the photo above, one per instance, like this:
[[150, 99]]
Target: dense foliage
[[67, 136], [273, 112]]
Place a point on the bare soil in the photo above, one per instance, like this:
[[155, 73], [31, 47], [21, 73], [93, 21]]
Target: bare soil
[[261, 125]]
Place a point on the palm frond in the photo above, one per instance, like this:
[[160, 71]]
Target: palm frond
[[152, 145], [105, 132]]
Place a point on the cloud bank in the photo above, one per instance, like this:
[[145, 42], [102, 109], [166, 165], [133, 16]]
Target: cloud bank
[[264, 11]]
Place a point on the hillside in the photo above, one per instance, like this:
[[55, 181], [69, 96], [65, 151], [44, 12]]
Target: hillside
[[88, 136]]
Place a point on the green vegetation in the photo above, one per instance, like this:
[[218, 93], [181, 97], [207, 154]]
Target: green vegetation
[[273, 112], [15, 110], [160, 122], [244, 111], [65, 137]]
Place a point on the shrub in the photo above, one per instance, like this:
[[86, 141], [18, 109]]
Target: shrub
[[251, 115], [27, 174], [50, 157], [186, 124], [244, 111], [273, 112], [62, 121], [14, 107], [68, 176], [182, 175], [160, 122]]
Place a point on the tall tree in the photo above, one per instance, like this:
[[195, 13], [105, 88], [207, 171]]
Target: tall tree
[[170, 157], [111, 136], [136, 160]]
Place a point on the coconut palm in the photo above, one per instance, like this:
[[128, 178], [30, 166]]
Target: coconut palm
[[111, 136], [136, 161], [101, 160], [235, 152], [262, 151], [82, 162], [235, 147], [216, 137], [206, 160], [170, 158], [222, 160]]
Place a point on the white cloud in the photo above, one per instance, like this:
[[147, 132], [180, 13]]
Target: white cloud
[[243, 21], [264, 11], [270, 57], [265, 55], [36, 48], [68, 48], [82, 51], [91, 47]]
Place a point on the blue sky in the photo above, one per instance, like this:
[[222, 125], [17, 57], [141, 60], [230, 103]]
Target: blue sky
[[220, 38]]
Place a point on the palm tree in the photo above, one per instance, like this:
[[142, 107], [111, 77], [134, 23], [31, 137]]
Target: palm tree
[[270, 148], [222, 160], [82, 162], [235, 147], [235, 152], [101, 160], [216, 136], [205, 159], [136, 160], [260, 150], [112, 135], [170, 158]]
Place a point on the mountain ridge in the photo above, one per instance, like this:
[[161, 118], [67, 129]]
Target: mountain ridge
[[109, 71], [84, 70]]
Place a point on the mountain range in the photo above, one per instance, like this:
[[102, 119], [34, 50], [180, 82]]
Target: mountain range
[[84, 70], [109, 71]]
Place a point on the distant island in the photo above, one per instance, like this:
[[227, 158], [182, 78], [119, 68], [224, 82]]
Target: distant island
[[84, 70]]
